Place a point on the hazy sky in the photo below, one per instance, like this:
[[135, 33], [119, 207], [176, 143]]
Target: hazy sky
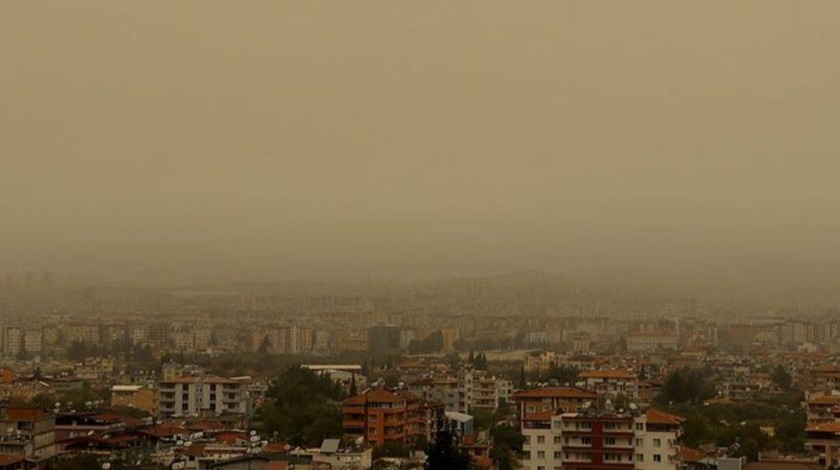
[[689, 144]]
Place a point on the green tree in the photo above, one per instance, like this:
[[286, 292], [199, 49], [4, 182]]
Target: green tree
[[444, 454], [79, 462], [353, 391], [686, 385], [391, 449], [781, 378], [303, 407], [507, 442]]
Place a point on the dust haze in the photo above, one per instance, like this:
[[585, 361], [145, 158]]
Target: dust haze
[[679, 148]]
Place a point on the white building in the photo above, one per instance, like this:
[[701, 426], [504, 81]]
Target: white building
[[13, 340], [657, 440], [32, 341], [467, 391], [556, 440], [191, 396], [611, 383]]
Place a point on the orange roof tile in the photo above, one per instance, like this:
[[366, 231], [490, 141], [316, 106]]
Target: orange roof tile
[[831, 426], [689, 455], [556, 392], [655, 416], [606, 374], [24, 414], [8, 459], [373, 396]]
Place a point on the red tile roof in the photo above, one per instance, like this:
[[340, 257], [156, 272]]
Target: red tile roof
[[607, 374], [831, 426], [655, 416], [374, 396], [689, 455], [9, 459], [556, 392], [24, 414]]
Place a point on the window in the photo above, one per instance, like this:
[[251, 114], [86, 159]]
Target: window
[[640, 426], [586, 440], [540, 454], [657, 443], [657, 458], [540, 439], [558, 439], [610, 441], [610, 425], [558, 455], [639, 442], [540, 467], [527, 439], [640, 458], [526, 455]]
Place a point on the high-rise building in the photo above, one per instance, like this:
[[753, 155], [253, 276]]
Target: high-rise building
[[13, 341]]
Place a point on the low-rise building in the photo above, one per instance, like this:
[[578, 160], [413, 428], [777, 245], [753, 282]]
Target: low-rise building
[[134, 396]]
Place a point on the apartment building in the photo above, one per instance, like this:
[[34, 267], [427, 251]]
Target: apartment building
[[134, 396], [578, 441], [824, 440], [191, 396], [657, 436], [13, 340], [598, 440], [610, 383], [379, 416], [550, 399], [465, 392], [29, 433], [650, 341]]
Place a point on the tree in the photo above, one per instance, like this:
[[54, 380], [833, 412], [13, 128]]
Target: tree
[[302, 407], [444, 454], [781, 378], [265, 345], [507, 442], [686, 385], [79, 462], [391, 449]]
